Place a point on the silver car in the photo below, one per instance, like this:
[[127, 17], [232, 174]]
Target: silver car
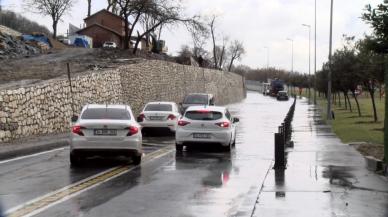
[[105, 130], [159, 115]]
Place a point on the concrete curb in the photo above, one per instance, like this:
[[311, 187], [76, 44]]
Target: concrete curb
[[8, 151], [374, 164]]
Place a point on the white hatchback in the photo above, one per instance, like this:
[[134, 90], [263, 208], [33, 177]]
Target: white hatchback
[[160, 115], [105, 130], [206, 124]]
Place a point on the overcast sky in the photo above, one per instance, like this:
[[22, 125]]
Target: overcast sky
[[257, 23]]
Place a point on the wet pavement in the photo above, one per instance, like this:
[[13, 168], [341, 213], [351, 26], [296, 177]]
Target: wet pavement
[[324, 177]]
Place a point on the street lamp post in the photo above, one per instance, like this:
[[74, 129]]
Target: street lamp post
[[330, 62], [315, 55], [309, 27]]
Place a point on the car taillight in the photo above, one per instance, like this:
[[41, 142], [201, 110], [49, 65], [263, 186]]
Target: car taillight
[[171, 117], [132, 130], [183, 123], [224, 124], [140, 118], [77, 130]]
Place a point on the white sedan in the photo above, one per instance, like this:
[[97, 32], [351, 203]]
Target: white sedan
[[160, 115], [206, 124], [105, 130]]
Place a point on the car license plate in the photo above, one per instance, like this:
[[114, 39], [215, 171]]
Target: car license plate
[[156, 118], [201, 135], [105, 132]]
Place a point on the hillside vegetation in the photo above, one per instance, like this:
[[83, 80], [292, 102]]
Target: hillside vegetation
[[20, 23]]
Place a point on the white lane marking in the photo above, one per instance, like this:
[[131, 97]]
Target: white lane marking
[[31, 155], [14, 209]]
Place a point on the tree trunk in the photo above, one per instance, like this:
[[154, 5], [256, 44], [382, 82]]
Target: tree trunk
[[55, 24], [339, 99], [231, 64], [350, 104], [126, 36], [346, 104], [372, 95], [334, 99], [358, 105]]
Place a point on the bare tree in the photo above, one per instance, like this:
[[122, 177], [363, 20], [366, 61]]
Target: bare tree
[[89, 7], [53, 8], [112, 6], [212, 32], [222, 52], [163, 13], [236, 50]]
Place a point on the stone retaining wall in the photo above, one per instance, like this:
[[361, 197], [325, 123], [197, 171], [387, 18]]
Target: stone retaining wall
[[46, 108]]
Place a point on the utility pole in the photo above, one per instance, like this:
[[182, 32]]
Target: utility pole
[[315, 55], [329, 115], [309, 81]]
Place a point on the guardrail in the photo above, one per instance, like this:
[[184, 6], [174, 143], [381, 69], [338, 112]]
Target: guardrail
[[283, 139]]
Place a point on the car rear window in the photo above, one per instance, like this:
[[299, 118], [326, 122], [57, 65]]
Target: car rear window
[[158, 107], [195, 99], [106, 113], [203, 115]]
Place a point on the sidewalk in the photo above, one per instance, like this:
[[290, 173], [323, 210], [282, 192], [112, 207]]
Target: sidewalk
[[32, 145], [324, 177]]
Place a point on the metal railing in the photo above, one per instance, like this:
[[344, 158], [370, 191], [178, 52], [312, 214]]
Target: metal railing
[[283, 139]]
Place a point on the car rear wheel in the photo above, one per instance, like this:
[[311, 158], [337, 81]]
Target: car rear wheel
[[136, 159], [227, 148], [178, 147], [75, 160]]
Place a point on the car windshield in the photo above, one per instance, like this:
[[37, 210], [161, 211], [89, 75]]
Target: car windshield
[[282, 93], [203, 115], [158, 107], [195, 99], [106, 113]]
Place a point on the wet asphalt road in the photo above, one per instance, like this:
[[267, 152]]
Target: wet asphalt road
[[204, 182], [199, 182]]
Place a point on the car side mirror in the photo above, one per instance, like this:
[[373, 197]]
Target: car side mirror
[[74, 118], [236, 120]]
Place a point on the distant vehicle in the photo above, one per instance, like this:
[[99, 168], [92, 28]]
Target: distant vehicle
[[206, 124], [160, 115], [266, 88], [105, 130], [109, 44], [194, 99], [276, 86], [282, 95]]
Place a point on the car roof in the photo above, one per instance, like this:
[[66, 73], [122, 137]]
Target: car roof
[[210, 108], [207, 94], [282, 91], [162, 102], [118, 106]]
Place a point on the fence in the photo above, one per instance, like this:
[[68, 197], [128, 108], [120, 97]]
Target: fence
[[283, 139]]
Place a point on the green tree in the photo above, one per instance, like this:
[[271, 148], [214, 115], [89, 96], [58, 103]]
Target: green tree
[[378, 19]]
